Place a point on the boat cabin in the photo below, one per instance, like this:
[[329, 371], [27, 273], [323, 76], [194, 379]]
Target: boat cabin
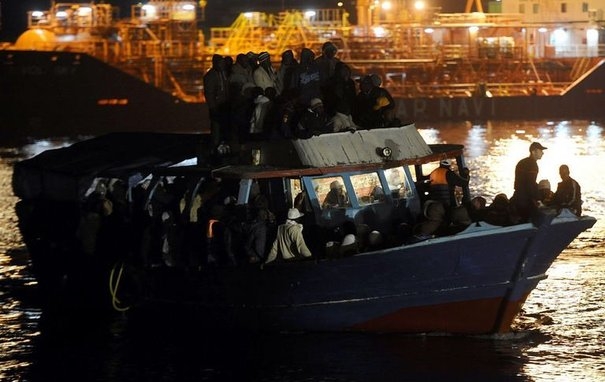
[[374, 178]]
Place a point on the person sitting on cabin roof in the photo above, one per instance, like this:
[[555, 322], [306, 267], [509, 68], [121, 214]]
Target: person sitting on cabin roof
[[307, 79], [336, 197], [340, 96], [312, 121], [289, 243]]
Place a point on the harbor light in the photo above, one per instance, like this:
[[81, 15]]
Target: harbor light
[[309, 14], [379, 31], [150, 11], [560, 37], [84, 11]]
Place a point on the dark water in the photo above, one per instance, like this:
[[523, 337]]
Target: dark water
[[559, 337]]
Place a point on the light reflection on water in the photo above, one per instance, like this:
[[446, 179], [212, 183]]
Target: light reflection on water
[[561, 335]]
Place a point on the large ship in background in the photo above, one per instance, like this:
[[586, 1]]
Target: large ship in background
[[81, 70]]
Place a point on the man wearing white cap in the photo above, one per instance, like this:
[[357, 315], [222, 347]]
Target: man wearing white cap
[[526, 195], [289, 241]]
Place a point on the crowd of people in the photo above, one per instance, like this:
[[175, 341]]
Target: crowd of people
[[211, 228], [443, 214], [251, 97]]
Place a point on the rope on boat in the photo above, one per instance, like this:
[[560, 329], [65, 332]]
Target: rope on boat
[[113, 287]]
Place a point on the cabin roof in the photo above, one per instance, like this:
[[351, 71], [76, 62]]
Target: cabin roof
[[66, 173], [361, 147]]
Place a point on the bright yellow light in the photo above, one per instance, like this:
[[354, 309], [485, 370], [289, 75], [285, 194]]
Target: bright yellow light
[[309, 14], [542, 30], [188, 7], [419, 5], [473, 29], [429, 30], [386, 6], [340, 4], [61, 15], [37, 14], [248, 15]]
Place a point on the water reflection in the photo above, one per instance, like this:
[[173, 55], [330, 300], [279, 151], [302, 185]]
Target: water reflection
[[561, 334]]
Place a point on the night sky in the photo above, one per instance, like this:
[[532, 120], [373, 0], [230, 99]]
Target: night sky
[[221, 12]]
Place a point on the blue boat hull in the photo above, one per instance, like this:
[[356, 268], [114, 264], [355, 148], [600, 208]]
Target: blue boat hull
[[466, 283]]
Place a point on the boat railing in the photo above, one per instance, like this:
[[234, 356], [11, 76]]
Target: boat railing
[[572, 51]]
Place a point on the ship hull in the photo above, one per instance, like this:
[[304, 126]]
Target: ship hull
[[47, 93], [468, 283], [581, 100]]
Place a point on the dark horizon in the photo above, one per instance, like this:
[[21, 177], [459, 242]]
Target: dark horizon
[[14, 13]]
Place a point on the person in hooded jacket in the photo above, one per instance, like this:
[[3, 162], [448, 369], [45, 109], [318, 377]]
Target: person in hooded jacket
[[307, 78], [340, 97], [286, 74], [265, 75], [312, 121], [216, 92], [326, 63]]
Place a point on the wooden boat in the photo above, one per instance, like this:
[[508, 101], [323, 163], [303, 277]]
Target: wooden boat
[[475, 279]]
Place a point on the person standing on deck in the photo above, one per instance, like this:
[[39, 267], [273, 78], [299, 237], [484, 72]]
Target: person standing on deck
[[216, 92], [289, 242], [265, 76], [444, 182], [526, 196]]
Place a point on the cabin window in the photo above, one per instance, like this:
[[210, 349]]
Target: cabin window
[[521, 8], [331, 192], [563, 7], [536, 8], [295, 188], [584, 7], [398, 183], [368, 188], [298, 197]]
